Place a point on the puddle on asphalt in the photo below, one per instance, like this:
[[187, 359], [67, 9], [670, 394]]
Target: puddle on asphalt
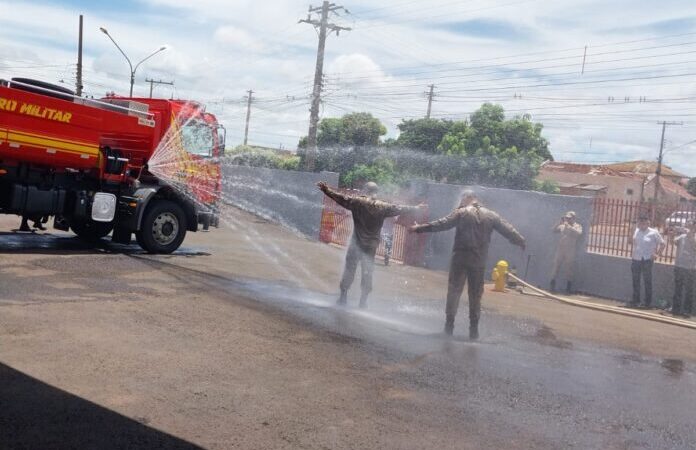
[[675, 367], [188, 253], [545, 336]]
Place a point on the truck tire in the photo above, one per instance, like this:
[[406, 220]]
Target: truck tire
[[90, 230], [163, 228]]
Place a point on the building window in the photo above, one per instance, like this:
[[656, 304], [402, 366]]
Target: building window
[[629, 191]]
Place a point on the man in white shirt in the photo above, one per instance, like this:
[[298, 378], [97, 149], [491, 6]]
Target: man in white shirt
[[647, 245]]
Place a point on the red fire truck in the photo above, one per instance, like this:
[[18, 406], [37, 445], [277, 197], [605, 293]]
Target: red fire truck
[[85, 162]]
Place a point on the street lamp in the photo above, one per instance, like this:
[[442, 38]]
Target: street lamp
[[132, 70]]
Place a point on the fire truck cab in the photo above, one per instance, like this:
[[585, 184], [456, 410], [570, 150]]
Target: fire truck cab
[[85, 162]]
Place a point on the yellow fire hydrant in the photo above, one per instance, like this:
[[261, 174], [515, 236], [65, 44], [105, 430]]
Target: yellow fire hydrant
[[500, 275]]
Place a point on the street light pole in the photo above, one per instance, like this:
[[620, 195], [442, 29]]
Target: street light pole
[[132, 70], [161, 49]]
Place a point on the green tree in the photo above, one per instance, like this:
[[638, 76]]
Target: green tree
[[422, 134], [691, 186], [522, 133], [454, 142], [302, 144], [495, 151], [548, 186], [361, 129], [354, 129], [488, 150], [381, 171], [330, 132], [390, 143], [246, 155]]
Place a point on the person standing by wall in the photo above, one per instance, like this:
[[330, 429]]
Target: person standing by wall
[[368, 218], [474, 224], [647, 245], [685, 271], [564, 261]]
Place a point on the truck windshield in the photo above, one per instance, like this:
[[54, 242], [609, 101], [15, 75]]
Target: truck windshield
[[198, 137]]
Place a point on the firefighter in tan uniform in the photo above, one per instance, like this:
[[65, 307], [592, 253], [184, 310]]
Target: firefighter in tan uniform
[[564, 260], [474, 224], [368, 218]]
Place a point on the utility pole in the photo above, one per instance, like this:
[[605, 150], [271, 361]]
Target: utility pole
[[78, 84], [154, 82], [323, 25], [430, 101], [658, 169], [246, 127]]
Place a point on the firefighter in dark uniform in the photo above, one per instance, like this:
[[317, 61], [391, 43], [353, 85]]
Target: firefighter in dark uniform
[[474, 224], [368, 218]]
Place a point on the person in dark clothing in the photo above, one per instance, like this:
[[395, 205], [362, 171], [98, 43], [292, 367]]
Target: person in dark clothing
[[685, 271], [368, 217], [474, 225]]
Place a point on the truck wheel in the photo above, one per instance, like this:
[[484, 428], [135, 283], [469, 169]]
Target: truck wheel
[[163, 228], [91, 230]]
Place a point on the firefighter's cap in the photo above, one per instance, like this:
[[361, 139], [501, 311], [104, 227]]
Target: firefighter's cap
[[371, 187]]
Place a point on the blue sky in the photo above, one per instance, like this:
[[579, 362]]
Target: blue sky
[[525, 55], [490, 29]]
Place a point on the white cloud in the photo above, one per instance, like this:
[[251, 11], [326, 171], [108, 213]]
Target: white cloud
[[355, 64], [237, 39]]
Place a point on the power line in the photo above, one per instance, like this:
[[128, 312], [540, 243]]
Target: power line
[[544, 52], [463, 78], [655, 77], [671, 149], [534, 61]]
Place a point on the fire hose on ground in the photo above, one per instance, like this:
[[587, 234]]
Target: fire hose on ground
[[608, 308]]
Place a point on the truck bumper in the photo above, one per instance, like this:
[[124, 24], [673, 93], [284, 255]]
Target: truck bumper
[[208, 219]]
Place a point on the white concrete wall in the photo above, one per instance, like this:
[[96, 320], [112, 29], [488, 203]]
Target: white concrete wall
[[288, 197]]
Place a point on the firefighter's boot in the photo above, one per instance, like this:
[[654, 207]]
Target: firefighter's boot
[[569, 288], [343, 298], [25, 225], [363, 301], [553, 285], [473, 331], [449, 325]]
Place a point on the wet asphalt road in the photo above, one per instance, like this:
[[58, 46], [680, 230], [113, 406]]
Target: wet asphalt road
[[519, 374], [520, 379]]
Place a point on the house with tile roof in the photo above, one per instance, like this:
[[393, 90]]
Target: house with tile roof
[[632, 181]]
